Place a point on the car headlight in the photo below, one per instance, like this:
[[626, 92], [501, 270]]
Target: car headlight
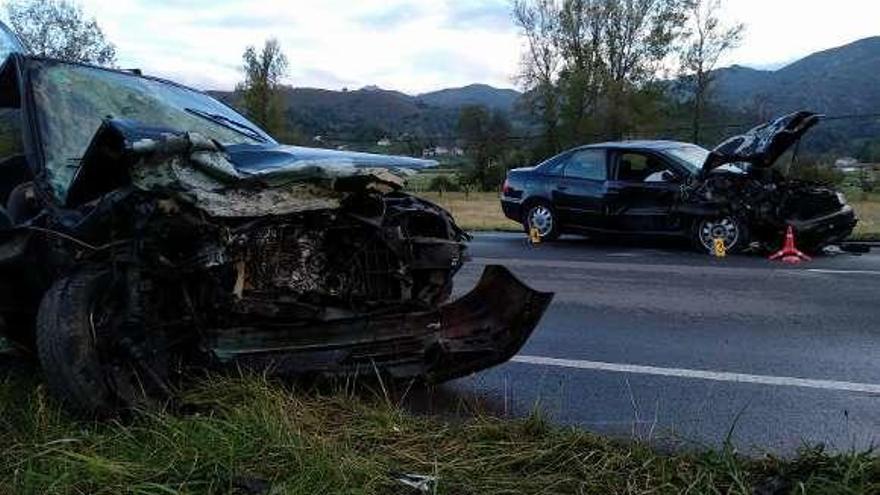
[[841, 198]]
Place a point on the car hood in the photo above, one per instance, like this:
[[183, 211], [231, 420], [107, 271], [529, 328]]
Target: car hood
[[234, 180], [763, 145]]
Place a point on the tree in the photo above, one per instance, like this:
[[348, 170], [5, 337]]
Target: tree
[[539, 64], [636, 36], [592, 62], [59, 29], [260, 90], [485, 135], [707, 39]]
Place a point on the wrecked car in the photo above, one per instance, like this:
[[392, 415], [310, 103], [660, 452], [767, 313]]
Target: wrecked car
[[147, 229], [666, 188]]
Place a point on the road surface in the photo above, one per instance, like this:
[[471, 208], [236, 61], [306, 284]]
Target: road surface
[[676, 347]]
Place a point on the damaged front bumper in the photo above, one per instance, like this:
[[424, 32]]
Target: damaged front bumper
[[827, 229], [486, 327]]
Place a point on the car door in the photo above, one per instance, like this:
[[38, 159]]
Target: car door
[[579, 194], [642, 192]]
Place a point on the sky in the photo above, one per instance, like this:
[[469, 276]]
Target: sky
[[413, 46]]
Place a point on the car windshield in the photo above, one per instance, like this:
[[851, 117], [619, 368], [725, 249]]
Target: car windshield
[[691, 156], [72, 100]]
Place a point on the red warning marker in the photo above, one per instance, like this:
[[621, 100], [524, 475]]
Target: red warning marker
[[789, 252]]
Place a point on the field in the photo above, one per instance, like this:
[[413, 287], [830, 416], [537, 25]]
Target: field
[[245, 435], [482, 211], [474, 211]]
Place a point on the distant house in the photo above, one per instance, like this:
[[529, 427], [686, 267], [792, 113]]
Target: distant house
[[384, 142], [849, 165], [438, 151]]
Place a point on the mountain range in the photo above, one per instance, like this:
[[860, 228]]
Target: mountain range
[[839, 81]]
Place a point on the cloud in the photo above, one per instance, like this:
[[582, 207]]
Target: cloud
[[486, 14], [392, 17]]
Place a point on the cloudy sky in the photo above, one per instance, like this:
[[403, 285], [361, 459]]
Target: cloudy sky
[[411, 45]]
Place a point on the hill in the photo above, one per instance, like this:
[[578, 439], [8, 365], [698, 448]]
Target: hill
[[365, 115], [474, 94]]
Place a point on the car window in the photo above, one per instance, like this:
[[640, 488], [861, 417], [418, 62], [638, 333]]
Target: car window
[[555, 165], [643, 167], [586, 164]]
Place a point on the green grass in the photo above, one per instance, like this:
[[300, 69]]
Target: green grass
[[252, 436]]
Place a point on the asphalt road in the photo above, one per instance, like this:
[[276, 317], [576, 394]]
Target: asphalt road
[[668, 345]]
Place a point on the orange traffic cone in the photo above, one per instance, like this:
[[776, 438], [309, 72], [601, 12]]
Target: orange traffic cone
[[789, 252]]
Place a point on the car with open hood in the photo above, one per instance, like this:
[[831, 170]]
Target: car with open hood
[[147, 229], [667, 188]]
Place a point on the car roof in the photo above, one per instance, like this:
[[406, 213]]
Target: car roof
[[657, 145]]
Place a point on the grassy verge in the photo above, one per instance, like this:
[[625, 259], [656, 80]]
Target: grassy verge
[[474, 211], [250, 436], [869, 219], [482, 211]]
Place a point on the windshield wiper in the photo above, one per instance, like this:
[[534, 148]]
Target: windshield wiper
[[231, 124]]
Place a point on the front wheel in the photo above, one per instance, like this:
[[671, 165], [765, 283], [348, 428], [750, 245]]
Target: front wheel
[[86, 351], [733, 231], [542, 217]]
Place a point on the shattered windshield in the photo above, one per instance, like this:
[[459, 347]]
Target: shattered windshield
[[691, 156], [72, 100]]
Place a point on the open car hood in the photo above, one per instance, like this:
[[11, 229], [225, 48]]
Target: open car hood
[[763, 145]]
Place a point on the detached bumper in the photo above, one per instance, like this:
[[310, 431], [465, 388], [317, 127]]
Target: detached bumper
[[486, 327]]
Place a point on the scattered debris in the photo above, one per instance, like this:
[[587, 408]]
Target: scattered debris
[[423, 484]]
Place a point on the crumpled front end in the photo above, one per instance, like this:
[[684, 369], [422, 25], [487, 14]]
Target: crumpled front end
[[486, 327], [304, 261]]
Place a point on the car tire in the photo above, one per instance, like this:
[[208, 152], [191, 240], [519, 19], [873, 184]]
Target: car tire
[[71, 355], [732, 229], [544, 218]]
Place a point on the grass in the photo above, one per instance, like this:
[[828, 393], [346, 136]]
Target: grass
[[480, 211], [248, 435], [476, 211], [868, 209]]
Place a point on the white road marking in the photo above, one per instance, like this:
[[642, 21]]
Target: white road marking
[[845, 272], [718, 376]]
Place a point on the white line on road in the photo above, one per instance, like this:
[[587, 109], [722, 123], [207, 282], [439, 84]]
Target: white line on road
[[844, 272], [718, 376]]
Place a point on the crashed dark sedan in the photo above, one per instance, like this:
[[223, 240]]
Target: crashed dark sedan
[[147, 229], [666, 188]]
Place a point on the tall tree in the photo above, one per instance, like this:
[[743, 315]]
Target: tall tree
[[260, 89], [592, 62], [485, 137], [540, 63], [637, 35], [707, 39], [60, 29]]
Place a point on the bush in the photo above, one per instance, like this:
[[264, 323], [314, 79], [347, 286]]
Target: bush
[[443, 183]]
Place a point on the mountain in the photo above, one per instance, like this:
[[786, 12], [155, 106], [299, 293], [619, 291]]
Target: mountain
[[474, 94], [371, 113], [838, 81], [841, 81]]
